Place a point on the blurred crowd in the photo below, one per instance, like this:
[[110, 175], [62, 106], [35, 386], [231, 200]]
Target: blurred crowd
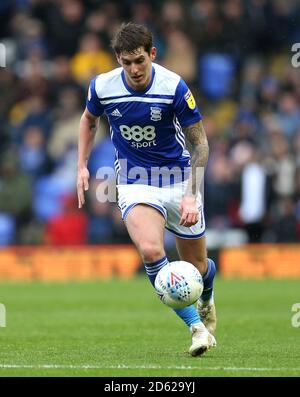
[[236, 57]]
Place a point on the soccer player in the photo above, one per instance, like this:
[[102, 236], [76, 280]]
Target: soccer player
[[161, 146]]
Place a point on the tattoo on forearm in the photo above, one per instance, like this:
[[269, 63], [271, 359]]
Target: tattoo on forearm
[[93, 127], [197, 145]]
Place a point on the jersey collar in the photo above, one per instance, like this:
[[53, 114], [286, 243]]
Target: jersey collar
[[131, 90]]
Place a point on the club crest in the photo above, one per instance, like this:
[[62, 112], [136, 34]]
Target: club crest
[[155, 113]]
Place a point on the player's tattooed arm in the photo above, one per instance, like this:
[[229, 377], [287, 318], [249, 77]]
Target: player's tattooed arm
[[87, 129], [92, 125], [197, 145]]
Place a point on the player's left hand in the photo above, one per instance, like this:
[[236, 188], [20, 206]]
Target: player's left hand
[[189, 211]]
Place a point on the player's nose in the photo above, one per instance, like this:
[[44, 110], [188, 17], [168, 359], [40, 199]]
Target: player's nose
[[134, 70]]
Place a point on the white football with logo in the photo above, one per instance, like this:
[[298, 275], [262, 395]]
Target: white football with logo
[[179, 284]]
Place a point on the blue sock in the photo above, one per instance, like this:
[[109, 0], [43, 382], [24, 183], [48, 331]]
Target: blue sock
[[188, 314], [153, 268], [208, 280]]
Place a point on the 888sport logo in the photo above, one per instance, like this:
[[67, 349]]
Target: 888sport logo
[[140, 137]]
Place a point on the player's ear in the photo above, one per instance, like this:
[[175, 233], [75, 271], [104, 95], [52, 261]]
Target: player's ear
[[153, 53], [118, 59]]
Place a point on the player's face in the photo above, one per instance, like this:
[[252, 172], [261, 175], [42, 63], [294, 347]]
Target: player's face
[[137, 67]]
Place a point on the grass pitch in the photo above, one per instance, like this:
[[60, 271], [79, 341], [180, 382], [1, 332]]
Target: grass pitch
[[119, 328]]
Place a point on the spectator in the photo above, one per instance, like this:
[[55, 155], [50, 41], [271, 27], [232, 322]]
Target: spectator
[[253, 190], [179, 46], [61, 79], [64, 23], [219, 185], [15, 192], [69, 227], [64, 133], [289, 114], [297, 202], [32, 112], [34, 160], [285, 222], [296, 146], [91, 59], [282, 166]]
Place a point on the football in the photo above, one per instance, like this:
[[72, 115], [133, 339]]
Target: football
[[179, 284]]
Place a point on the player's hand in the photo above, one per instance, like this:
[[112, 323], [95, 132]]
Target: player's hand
[[189, 211], [82, 185]]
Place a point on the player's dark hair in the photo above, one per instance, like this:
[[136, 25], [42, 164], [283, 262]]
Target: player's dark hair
[[131, 36]]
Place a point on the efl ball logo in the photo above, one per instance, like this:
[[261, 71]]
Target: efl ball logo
[[179, 284]]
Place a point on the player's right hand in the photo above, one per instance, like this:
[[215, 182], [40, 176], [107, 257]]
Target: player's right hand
[[82, 185], [189, 211]]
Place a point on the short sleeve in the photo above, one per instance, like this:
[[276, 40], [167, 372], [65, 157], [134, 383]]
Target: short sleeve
[[93, 102], [185, 106]]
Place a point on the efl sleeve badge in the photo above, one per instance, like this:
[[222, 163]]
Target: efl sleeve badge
[[190, 100]]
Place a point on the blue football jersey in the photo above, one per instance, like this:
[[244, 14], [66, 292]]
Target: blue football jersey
[[146, 126]]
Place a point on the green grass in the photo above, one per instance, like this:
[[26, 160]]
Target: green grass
[[119, 328]]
